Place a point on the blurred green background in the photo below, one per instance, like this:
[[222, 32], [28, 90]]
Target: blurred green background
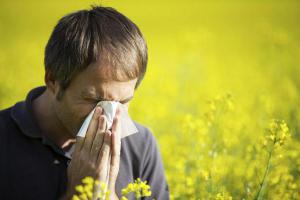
[[218, 72]]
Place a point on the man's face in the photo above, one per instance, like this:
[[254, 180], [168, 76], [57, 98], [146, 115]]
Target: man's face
[[85, 91]]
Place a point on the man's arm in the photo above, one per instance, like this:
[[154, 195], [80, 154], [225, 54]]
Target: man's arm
[[153, 170]]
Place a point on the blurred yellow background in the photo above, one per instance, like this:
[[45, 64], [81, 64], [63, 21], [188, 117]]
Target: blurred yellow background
[[219, 72]]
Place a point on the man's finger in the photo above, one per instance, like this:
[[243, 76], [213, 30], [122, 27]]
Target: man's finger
[[78, 144], [116, 151], [116, 134], [116, 122], [91, 131], [98, 140], [104, 154]]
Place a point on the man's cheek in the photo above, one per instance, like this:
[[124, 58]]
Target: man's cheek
[[80, 117]]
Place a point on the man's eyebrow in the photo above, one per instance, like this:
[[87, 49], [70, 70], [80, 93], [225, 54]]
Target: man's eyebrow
[[89, 94], [85, 93], [122, 101]]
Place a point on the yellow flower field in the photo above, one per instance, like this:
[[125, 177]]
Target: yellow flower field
[[221, 94]]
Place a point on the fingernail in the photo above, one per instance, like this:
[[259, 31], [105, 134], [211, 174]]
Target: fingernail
[[108, 132], [98, 110], [100, 119]]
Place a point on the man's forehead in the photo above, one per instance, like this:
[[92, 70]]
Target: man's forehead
[[104, 71]]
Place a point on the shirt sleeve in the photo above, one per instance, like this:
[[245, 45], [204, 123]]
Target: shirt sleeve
[[153, 170]]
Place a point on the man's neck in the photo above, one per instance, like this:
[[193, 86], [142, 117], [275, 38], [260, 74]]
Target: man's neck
[[49, 124]]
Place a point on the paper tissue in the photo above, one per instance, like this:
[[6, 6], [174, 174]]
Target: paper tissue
[[110, 107]]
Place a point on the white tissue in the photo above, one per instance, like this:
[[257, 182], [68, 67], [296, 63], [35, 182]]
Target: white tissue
[[110, 107]]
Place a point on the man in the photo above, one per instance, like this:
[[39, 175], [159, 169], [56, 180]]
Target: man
[[92, 55]]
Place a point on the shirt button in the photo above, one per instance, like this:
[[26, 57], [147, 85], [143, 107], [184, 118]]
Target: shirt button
[[56, 162]]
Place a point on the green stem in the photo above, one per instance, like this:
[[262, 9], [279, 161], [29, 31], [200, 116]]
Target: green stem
[[263, 182]]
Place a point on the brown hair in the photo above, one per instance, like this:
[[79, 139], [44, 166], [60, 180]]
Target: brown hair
[[99, 34]]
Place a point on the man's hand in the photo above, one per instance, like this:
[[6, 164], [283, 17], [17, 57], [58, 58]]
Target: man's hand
[[91, 156]]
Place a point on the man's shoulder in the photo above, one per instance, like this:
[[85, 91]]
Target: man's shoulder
[[7, 127], [141, 141], [144, 133], [142, 129], [8, 124], [5, 111], [5, 116]]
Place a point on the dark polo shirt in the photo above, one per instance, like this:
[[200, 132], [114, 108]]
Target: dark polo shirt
[[33, 167]]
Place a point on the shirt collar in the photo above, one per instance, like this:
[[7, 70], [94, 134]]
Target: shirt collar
[[22, 114]]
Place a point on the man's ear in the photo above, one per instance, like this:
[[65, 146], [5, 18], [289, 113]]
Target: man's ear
[[51, 84]]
